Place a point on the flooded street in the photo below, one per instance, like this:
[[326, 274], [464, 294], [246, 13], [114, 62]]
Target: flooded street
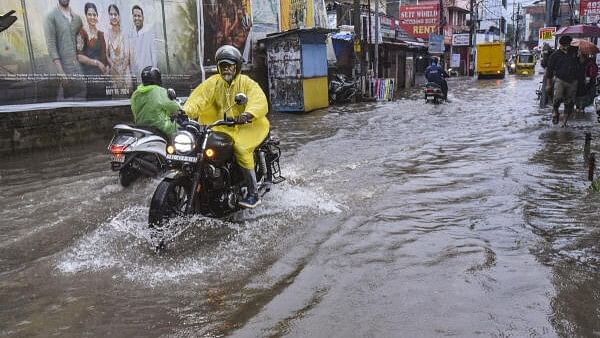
[[397, 219]]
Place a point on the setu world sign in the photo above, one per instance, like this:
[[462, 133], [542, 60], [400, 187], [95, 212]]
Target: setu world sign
[[420, 20]]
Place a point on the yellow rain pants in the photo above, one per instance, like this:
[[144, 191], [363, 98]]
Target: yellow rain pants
[[212, 97]]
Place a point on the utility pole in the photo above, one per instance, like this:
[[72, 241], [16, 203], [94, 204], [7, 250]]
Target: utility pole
[[376, 39], [513, 24], [518, 17], [549, 17], [369, 40], [471, 35], [441, 32], [357, 20]]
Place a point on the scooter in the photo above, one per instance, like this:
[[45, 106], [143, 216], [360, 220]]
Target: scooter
[[341, 90], [433, 93], [137, 152]]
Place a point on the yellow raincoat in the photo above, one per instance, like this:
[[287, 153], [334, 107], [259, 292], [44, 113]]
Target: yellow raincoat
[[212, 97]]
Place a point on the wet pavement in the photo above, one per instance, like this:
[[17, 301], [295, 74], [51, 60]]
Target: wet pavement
[[398, 219]]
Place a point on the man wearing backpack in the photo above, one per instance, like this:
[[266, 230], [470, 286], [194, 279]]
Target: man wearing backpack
[[562, 68]]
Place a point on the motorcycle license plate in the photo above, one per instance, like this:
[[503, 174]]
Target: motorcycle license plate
[[181, 158], [429, 97], [117, 158]]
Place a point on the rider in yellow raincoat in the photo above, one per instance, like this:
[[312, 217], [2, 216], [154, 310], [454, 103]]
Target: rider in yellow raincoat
[[211, 99]]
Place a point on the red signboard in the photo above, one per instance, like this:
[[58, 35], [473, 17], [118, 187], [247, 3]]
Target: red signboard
[[590, 10], [420, 20]]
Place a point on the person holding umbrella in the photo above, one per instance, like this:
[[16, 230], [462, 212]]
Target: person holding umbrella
[[588, 71], [562, 67]]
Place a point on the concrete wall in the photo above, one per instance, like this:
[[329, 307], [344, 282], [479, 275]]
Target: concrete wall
[[25, 131]]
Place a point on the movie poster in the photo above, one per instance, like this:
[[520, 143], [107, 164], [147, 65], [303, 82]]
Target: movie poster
[[95, 49], [226, 22], [297, 14]]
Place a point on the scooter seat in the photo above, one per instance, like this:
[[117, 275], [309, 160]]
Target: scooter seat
[[144, 130]]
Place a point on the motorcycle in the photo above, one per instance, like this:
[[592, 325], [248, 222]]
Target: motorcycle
[[205, 178], [341, 90], [138, 151], [433, 93]]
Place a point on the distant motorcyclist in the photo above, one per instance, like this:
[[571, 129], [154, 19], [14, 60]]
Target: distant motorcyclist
[[151, 105], [436, 74], [213, 97]]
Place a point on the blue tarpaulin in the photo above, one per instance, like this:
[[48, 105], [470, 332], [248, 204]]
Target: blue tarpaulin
[[346, 36]]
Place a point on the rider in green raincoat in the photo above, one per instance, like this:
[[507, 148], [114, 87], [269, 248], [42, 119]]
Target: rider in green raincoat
[[151, 105]]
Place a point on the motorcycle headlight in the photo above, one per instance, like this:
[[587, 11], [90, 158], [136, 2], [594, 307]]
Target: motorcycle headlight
[[512, 65], [184, 142]]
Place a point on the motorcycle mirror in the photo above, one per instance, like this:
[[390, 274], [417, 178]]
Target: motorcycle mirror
[[240, 99], [171, 94]]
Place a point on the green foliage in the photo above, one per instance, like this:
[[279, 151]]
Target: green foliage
[[595, 185]]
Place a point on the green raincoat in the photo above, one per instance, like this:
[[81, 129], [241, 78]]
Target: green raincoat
[[212, 97], [151, 106]]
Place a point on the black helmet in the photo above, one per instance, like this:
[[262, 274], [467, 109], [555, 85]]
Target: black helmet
[[151, 76], [565, 40], [231, 55]]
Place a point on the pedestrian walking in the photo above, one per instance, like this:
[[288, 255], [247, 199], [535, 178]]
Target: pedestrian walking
[[562, 69], [586, 82]]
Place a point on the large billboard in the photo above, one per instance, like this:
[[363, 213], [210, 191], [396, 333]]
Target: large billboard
[[420, 20], [94, 49]]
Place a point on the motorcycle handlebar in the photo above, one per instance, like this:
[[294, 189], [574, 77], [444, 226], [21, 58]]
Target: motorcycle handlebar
[[228, 122]]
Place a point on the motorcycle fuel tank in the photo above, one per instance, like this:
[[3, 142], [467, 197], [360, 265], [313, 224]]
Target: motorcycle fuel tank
[[219, 148]]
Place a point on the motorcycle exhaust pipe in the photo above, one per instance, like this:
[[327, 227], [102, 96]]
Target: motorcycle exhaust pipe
[[145, 167]]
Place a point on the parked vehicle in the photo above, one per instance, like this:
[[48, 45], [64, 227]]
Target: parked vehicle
[[341, 89], [137, 152], [490, 60], [205, 178], [524, 63], [433, 93]]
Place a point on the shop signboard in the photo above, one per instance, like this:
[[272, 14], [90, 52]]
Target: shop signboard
[[589, 10], [460, 40], [546, 35], [420, 20], [387, 28]]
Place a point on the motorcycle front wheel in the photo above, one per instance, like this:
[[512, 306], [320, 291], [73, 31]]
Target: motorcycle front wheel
[[170, 200]]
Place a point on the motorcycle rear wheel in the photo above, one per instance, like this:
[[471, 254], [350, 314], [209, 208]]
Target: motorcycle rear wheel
[[127, 176], [170, 200]]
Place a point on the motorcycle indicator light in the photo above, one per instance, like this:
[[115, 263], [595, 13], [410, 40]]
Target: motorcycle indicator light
[[210, 152], [170, 149]]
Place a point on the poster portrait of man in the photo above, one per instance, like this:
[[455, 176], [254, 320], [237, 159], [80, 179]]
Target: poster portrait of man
[[142, 37], [61, 26]]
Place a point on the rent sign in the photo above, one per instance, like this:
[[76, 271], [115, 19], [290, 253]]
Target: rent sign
[[420, 20]]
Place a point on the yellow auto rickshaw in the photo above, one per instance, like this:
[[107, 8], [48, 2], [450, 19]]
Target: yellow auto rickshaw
[[524, 63]]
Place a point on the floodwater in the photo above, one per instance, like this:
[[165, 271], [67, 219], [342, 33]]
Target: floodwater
[[397, 219]]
